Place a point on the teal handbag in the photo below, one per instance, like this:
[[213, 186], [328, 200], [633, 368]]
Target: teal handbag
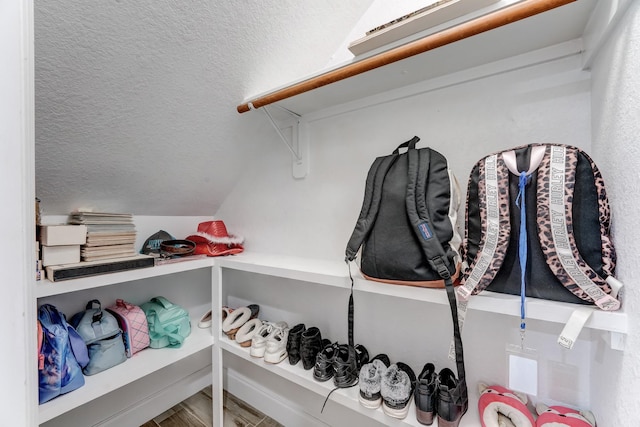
[[169, 324]]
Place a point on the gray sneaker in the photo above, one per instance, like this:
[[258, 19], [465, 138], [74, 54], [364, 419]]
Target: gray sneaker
[[370, 380], [397, 389]]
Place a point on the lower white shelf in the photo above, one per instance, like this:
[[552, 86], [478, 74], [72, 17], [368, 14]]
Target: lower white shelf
[[347, 397], [141, 364]]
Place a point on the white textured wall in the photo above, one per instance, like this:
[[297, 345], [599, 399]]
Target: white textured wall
[[616, 129], [136, 100], [315, 216]]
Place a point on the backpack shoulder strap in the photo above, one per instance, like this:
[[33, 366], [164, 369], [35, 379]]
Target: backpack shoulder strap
[[78, 347], [368, 214], [493, 202], [372, 197], [418, 214], [555, 224], [417, 211]]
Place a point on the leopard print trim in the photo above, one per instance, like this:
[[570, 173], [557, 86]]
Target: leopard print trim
[[502, 240]]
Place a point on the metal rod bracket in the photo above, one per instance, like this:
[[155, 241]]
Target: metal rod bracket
[[299, 144]]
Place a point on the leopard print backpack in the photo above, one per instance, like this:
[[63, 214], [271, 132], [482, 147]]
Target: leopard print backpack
[[538, 225]]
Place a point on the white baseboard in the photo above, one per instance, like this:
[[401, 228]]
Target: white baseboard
[[266, 401], [158, 402]]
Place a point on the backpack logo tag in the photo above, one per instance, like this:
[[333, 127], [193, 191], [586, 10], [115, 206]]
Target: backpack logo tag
[[425, 231]]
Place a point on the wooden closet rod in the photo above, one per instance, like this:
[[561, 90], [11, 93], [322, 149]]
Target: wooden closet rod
[[467, 29]]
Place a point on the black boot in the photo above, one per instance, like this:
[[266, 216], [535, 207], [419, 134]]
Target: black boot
[[293, 343], [452, 399], [310, 346], [426, 395]]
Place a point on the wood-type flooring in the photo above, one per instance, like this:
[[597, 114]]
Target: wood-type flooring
[[196, 411]]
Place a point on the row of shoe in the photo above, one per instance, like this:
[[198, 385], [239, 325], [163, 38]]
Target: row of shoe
[[381, 383], [393, 385], [328, 360], [276, 341], [266, 339]]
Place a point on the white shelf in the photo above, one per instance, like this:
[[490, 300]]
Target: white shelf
[[492, 302], [560, 25], [141, 364], [347, 397], [46, 288], [335, 273], [323, 272]]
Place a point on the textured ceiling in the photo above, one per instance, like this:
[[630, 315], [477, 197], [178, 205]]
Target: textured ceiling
[[135, 100]]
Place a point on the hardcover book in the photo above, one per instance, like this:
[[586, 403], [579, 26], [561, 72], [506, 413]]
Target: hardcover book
[[57, 255], [63, 234]]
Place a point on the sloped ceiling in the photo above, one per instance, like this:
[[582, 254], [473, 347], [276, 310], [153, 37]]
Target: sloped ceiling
[[135, 100]]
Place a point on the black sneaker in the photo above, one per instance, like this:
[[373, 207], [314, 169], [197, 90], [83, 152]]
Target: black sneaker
[[293, 343], [362, 356], [310, 346], [345, 367], [452, 401], [323, 368], [426, 394], [396, 389]]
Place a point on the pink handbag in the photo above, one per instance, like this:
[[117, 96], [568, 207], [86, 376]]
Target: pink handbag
[[133, 323]]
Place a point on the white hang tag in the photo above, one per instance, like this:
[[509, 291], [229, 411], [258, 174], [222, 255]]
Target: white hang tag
[[574, 325], [522, 365]]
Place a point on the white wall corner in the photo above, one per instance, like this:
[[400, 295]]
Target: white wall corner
[[615, 106], [604, 18]]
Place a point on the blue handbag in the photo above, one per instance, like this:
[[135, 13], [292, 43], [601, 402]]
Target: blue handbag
[[102, 334]]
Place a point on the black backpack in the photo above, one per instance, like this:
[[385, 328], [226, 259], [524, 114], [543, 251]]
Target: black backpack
[[406, 229], [406, 226]]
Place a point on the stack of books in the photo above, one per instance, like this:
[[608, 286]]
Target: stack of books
[[60, 243], [104, 241], [109, 235]]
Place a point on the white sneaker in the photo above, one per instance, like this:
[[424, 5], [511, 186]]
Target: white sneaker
[[276, 350], [259, 341]]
